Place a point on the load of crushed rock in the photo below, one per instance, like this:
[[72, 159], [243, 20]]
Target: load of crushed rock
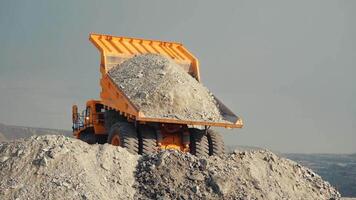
[[160, 88], [56, 167]]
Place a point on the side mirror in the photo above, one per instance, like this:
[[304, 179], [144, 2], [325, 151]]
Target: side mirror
[[75, 114]]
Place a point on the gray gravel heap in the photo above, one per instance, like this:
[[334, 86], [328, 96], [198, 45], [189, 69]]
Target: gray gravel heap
[[240, 175], [57, 167], [160, 88]]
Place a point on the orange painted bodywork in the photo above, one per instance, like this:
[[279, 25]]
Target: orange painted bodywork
[[115, 50], [172, 141], [171, 136], [91, 119]]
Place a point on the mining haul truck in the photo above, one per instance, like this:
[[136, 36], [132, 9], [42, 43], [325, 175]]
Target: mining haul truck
[[114, 119]]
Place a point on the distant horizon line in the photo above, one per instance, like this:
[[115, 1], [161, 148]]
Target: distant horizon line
[[227, 145]]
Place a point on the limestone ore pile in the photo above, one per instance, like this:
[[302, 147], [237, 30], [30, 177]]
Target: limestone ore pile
[[160, 88], [57, 167]]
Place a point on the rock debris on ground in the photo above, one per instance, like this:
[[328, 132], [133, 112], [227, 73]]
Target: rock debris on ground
[[240, 175], [160, 88], [57, 167]]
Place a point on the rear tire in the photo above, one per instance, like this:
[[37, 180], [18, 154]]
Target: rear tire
[[199, 144], [112, 117], [216, 143], [148, 139], [124, 134]]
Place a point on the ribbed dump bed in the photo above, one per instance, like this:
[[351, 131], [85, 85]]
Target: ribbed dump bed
[[152, 88], [114, 50], [161, 89]]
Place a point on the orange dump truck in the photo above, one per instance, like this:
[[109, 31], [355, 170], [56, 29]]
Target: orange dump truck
[[116, 120]]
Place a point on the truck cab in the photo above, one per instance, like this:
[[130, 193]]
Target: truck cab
[[89, 122]]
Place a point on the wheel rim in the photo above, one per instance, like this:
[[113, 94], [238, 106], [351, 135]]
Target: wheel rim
[[115, 140]]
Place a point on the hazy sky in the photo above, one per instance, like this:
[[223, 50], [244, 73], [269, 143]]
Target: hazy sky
[[287, 67]]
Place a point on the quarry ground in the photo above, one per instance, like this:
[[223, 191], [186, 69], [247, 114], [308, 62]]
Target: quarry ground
[[58, 167]]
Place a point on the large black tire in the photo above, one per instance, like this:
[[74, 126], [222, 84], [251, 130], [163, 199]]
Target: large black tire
[[101, 139], [216, 143], [199, 144], [88, 136], [124, 134], [148, 139], [112, 117]]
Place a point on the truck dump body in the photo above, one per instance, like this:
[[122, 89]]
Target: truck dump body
[[121, 89]]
